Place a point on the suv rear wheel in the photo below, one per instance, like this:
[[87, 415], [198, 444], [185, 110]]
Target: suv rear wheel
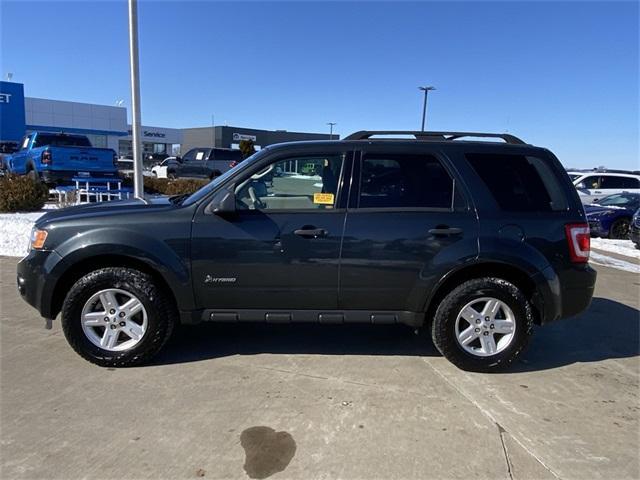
[[483, 324], [117, 317]]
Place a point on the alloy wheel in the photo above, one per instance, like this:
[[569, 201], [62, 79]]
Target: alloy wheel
[[114, 320], [485, 326]]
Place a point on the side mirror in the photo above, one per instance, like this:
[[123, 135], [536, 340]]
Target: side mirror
[[224, 204]]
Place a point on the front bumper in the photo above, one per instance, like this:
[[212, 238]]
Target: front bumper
[[36, 281]]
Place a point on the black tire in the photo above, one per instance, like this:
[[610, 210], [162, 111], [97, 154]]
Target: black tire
[[161, 316], [171, 175], [444, 323], [620, 229]]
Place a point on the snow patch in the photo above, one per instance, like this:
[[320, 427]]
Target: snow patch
[[621, 247], [600, 259], [15, 228]]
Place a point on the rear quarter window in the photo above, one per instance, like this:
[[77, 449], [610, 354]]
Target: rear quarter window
[[520, 183]]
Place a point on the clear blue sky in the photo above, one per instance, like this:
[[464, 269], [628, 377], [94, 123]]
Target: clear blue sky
[[559, 74]]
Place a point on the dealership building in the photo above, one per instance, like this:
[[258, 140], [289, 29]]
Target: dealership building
[[106, 126]]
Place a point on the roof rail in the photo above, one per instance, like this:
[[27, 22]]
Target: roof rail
[[434, 136]]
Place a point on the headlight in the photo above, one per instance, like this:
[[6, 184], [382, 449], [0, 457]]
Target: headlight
[[38, 238]]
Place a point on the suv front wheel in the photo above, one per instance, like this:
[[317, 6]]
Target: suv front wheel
[[117, 317], [483, 324]]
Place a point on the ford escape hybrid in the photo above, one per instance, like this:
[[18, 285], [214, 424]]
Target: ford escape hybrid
[[473, 240]]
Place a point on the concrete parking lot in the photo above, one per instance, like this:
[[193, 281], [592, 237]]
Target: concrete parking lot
[[301, 402]]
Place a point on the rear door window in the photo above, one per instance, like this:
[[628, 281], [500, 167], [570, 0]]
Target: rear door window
[[520, 183], [611, 181], [404, 181]]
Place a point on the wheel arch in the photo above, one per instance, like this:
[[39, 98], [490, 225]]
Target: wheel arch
[[82, 267], [513, 274]]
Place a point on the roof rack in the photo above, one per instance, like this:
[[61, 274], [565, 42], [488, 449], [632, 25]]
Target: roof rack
[[434, 136]]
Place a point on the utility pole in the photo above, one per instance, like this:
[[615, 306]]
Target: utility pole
[[424, 105], [331, 124], [138, 187]]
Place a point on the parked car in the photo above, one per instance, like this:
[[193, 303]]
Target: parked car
[[595, 184], [610, 217], [58, 157], [149, 160], [473, 241], [634, 233], [203, 163], [125, 167], [160, 170]]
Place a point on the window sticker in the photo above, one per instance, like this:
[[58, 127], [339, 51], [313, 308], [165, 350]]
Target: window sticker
[[199, 155], [323, 198]]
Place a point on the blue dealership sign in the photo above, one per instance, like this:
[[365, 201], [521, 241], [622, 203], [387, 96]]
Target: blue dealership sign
[[12, 118]]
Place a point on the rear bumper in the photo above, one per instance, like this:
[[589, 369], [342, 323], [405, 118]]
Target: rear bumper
[[558, 298], [64, 177]]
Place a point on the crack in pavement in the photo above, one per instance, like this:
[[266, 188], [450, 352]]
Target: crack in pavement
[[501, 430]]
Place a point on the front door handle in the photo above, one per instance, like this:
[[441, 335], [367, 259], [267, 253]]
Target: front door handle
[[311, 232], [445, 231]]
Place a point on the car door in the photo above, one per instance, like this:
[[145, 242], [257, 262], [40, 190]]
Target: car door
[[280, 250], [193, 165], [589, 188], [611, 184], [408, 223]]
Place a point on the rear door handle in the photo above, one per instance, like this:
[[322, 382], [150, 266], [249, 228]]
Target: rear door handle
[[445, 231], [311, 232]]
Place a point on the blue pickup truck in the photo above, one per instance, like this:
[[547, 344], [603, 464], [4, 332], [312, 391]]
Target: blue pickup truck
[[56, 158]]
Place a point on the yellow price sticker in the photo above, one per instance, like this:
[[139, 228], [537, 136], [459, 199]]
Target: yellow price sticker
[[323, 198]]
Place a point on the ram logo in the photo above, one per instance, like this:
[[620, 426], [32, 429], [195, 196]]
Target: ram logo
[[210, 279]]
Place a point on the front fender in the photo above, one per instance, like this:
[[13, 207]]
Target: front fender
[[170, 261]]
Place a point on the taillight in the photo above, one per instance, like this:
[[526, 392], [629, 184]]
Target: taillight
[[579, 241], [46, 157]]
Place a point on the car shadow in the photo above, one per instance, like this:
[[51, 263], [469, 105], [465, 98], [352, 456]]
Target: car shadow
[[608, 329]]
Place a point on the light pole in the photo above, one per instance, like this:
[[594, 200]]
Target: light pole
[[331, 124], [138, 188], [424, 105]]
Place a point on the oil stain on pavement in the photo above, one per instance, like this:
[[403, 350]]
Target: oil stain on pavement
[[266, 451]]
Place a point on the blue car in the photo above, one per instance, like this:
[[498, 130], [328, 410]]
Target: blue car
[[611, 216]]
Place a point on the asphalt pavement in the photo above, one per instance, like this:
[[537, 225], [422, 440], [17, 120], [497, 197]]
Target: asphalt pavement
[[311, 401]]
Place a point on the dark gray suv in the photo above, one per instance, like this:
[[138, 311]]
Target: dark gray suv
[[471, 239]]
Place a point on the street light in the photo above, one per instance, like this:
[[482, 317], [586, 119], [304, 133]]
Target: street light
[[138, 188], [424, 106], [331, 124]]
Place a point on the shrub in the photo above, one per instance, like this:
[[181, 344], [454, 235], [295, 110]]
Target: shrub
[[165, 186], [22, 194]]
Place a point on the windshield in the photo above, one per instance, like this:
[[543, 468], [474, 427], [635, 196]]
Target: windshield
[[211, 186], [574, 176], [620, 200]]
